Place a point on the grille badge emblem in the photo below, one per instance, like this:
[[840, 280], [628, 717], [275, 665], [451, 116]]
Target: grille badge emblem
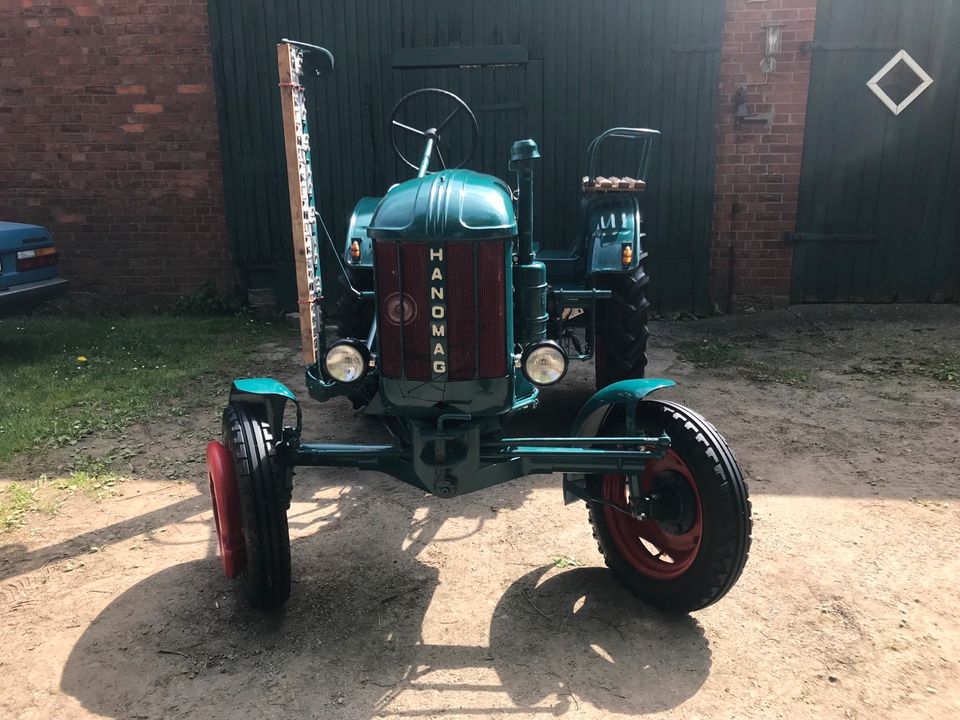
[[438, 312], [394, 309]]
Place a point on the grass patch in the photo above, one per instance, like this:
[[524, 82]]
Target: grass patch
[[65, 377], [16, 501], [727, 357], [715, 355], [45, 496], [91, 477], [944, 368]]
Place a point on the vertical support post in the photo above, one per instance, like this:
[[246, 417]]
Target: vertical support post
[[303, 216]]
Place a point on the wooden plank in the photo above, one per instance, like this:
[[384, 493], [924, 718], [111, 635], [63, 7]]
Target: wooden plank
[[300, 184], [914, 32], [804, 271], [436, 57], [945, 278], [870, 124], [935, 108]]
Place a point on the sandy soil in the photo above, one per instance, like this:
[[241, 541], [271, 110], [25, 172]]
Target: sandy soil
[[407, 606]]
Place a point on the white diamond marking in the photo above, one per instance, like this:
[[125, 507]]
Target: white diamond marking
[[925, 82]]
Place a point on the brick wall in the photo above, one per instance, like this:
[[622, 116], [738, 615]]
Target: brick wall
[[108, 137], [758, 163]]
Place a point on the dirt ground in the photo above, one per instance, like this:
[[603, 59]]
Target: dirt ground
[[407, 606]]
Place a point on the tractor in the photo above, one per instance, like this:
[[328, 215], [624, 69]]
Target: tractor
[[453, 323]]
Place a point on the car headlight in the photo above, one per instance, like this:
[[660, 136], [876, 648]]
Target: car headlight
[[346, 361], [544, 363]]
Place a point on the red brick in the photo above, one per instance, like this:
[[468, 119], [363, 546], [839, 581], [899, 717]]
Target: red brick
[[758, 166], [137, 208]]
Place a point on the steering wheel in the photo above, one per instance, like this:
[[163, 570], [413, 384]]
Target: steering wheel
[[432, 135]]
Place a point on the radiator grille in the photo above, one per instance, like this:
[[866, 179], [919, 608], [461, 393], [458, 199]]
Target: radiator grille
[[474, 287]]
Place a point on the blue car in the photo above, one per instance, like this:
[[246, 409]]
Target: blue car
[[28, 268]]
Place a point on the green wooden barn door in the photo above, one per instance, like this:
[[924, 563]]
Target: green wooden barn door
[[879, 214], [559, 71]]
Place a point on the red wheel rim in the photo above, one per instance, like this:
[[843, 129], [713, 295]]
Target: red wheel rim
[[644, 544], [225, 496]]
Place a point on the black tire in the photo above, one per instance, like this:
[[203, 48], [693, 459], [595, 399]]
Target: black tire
[[724, 541], [355, 316], [622, 333], [264, 499]]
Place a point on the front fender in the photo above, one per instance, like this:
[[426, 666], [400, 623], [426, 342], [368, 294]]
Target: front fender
[[591, 417], [625, 392], [269, 394]]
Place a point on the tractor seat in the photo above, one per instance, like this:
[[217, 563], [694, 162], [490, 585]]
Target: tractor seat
[[601, 184]]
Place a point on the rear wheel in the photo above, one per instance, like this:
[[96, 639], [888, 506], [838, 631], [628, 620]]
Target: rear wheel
[[621, 351], [264, 498], [694, 552]]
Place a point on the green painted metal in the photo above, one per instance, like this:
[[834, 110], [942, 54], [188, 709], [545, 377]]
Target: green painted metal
[[472, 466], [625, 392], [878, 217], [611, 223], [261, 386], [530, 281], [448, 205], [557, 72], [357, 231], [529, 274], [271, 394], [416, 398]]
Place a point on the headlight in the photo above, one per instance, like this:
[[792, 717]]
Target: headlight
[[544, 363], [346, 361]]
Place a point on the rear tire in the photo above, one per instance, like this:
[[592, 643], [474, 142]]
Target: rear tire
[[621, 352], [714, 539], [264, 499]]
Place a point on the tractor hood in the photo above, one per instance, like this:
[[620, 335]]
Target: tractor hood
[[448, 205]]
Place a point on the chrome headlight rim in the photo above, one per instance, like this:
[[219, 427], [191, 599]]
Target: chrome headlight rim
[[363, 352], [549, 346]]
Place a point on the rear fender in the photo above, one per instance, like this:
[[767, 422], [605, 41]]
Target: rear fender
[[269, 394], [611, 222], [624, 394]]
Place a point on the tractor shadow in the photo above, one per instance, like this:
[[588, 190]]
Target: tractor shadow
[[352, 640], [362, 637]]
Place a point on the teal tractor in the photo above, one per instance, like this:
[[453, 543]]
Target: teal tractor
[[455, 324]]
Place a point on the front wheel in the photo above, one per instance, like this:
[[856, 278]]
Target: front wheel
[[693, 553], [264, 497]]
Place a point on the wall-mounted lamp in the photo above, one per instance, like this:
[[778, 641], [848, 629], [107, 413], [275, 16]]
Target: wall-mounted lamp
[[771, 47]]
